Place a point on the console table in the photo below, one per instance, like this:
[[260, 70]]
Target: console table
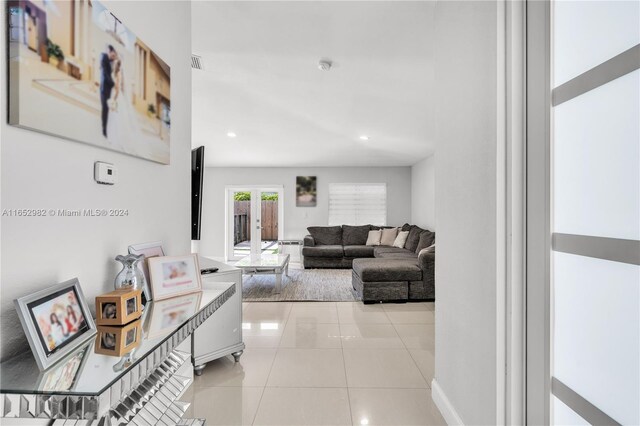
[[140, 388]]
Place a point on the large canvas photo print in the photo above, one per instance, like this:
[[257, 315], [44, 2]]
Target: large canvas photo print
[[76, 71]]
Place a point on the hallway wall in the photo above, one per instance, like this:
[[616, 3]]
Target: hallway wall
[[465, 174]]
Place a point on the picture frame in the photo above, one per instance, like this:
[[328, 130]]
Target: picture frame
[[168, 313], [63, 376], [119, 307], [118, 341], [174, 276], [148, 250], [55, 320], [306, 191]]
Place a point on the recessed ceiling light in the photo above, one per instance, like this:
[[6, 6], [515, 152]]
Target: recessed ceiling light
[[231, 135], [364, 137]]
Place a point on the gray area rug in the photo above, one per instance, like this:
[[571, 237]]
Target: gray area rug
[[329, 285]]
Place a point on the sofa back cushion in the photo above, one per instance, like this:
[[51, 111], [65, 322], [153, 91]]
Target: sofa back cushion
[[388, 236], [401, 239], [355, 235], [374, 238], [427, 238], [326, 235], [414, 238]]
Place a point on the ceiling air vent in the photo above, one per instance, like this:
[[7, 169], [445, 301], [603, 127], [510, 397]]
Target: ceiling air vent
[[196, 62]]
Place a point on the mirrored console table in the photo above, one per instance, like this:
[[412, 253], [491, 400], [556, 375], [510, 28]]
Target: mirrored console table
[[139, 388]]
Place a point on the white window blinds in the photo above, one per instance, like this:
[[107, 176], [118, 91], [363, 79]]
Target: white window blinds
[[357, 203]]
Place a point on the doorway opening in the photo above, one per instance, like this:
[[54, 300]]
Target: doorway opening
[[254, 221]]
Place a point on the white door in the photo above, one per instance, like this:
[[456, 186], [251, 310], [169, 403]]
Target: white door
[[254, 220], [591, 177]]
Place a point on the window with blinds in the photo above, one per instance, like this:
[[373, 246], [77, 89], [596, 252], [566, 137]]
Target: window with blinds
[[357, 203]]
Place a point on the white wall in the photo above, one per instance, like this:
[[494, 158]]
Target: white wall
[[40, 171], [423, 193], [297, 219], [465, 175]]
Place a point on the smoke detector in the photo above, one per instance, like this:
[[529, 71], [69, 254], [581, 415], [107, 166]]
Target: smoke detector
[[324, 65]]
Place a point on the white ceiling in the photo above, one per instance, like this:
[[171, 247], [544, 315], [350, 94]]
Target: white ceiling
[[261, 82]]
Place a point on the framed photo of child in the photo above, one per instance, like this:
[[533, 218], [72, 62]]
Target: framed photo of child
[[174, 275]]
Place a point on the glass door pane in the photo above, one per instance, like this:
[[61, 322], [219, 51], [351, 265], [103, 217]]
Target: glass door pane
[[595, 187], [269, 222], [241, 224]]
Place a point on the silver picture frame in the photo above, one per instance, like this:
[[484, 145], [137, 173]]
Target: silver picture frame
[[44, 357], [144, 249]]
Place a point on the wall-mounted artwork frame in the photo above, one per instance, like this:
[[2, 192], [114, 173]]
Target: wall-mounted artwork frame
[[306, 191], [77, 72], [55, 320]]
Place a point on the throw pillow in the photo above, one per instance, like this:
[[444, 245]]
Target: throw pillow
[[401, 239], [355, 235], [388, 236], [405, 227], [374, 238], [426, 239], [413, 239], [326, 235]]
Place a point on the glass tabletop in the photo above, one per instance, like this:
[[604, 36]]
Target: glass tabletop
[[263, 260], [85, 371]]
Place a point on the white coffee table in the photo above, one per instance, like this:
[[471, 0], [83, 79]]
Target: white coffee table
[[273, 264]]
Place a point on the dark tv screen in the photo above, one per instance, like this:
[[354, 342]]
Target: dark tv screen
[[197, 175]]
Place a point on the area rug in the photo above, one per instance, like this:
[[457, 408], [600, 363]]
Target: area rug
[[328, 285]]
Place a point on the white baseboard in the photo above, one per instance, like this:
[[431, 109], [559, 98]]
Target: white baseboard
[[444, 405]]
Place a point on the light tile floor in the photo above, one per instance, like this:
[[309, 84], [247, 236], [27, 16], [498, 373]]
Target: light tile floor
[[324, 363]]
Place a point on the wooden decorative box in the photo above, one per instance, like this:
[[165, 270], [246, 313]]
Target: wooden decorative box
[[118, 341], [119, 307]]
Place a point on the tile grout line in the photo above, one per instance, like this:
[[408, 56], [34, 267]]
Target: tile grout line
[[344, 366], [273, 361], [411, 355]]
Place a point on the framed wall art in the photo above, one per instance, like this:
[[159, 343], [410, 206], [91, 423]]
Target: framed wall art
[[55, 320], [76, 71], [306, 191]]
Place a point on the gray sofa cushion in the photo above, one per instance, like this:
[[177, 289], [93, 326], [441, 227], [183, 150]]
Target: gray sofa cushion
[[326, 235], [323, 251], [400, 255], [355, 235], [379, 270], [377, 251], [406, 227], [426, 239], [413, 239], [359, 251]]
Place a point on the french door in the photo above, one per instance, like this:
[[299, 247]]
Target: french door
[[254, 220], [583, 284]]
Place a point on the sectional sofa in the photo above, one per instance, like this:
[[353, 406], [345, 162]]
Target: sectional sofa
[[379, 273]]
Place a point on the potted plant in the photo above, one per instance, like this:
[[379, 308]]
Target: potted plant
[[56, 56], [151, 110]]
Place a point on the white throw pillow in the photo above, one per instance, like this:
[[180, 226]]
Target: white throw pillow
[[401, 239], [388, 236], [374, 238]]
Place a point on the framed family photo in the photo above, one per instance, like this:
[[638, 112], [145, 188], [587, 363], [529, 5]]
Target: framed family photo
[[55, 320], [174, 275], [148, 250]]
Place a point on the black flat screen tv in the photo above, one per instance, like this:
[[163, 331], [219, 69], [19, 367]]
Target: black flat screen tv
[[197, 175]]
